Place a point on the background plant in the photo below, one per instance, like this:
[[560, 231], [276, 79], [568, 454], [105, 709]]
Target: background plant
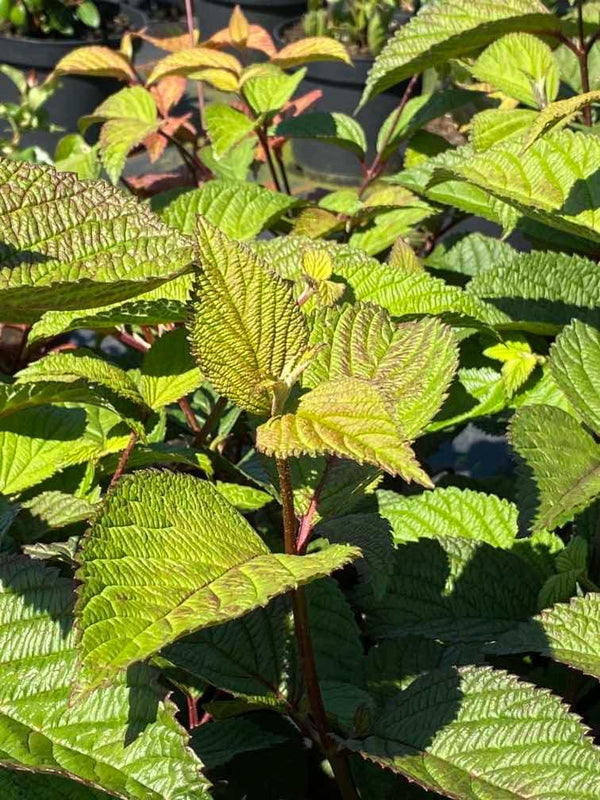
[[233, 443], [48, 17]]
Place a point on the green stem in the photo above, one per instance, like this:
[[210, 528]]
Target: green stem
[[264, 140], [337, 760]]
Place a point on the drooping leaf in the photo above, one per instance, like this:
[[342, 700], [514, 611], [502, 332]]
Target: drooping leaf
[[565, 632], [561, 465], [240, 210], [478, 733], [558, 114], [575, 366], [333, 128], [72, 244], [522, 66], [193, 60], [123, 739], [445, 29], [454, 589], [203, 564], [247, 332], [311, 48], [346, 418], [95, 61], [226, 127]]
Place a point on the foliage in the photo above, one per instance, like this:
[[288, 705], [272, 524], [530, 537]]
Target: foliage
[[252, 542], [49, 17], [364, 24]]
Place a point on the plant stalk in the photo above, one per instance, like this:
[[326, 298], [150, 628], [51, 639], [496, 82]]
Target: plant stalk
[[189, 15], [282, 170], [583, 62], [337, 760], [124, 458], [264, 140]]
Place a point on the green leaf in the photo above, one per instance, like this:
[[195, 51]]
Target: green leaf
[[124, 739], [74, 154], [88, 13], [240, 210], [478, 733], [247, 332], [469, 255], [499, 125], [575, 366], [450, 512], [168, 370], [220, 742], [244, 498], [521, 66], [558, 114], [267, 88], [566, 632], [346, 418], [226, 127], [50, 511], [518, 360], [561, 465], [541, 292], [445, 29], [411, 364], [393, 664], [188, 586], [333, 128], [25, 785], [70, 244], [454, 589], [554, 181]]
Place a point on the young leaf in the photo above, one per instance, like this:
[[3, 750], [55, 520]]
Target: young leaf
[[561, 465], [132, 747], [334, 128], [226, 127], [346, 418], [558, 114], [193, 60], [567, 632], [480, 733], [521, 66], [74, 244], [240, 210], [201, 564], [499, 125], [445, 29], [95, 61], [247, 332], [267, 88], [575, 366], [311, 48]]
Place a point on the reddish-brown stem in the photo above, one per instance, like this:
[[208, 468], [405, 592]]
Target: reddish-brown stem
[[210, 421], [374, 170], [192, 421], [264, 140], [307, 520], [123, 459], [61, 348], [583, 62], [189, 15], [337, 760], [148, 335], [206, 717], [132, 341], [282, 170], [192, 706]]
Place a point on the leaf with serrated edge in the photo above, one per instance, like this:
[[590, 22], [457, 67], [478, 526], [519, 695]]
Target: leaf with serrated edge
[[247, 332], [226, 127], [75, 244], [194, 59], [95, 61], [560, 464], [346, 418], [311, 48], [123, 739], [496, 125], [476, 733], [152, 573], [334, 128], [168, 371], [575, 366], [445, 29], [559, 113]]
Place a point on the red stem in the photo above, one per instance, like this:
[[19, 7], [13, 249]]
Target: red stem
[[192, 707], [189, 14], [124, 458], [307, 520]]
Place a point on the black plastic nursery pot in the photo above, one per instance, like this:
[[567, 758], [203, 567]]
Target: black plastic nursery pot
[[342, 87], [213, 15], [77, 95]]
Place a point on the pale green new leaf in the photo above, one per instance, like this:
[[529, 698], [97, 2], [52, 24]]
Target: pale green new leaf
[[411, 363], [522, 66], [561, 465], [575, 366], [347, 418], [75, 244], [450, 512], [445, 29], [330, 127], [454, 589], [566, 632], [244, 498], [247, 332], [240, 210], [475, 733], [168, 370], [267, 88], [123, 739], [199, 561], [555, 181], [541, 292], [226, 127], [559, 113], [497, 125]]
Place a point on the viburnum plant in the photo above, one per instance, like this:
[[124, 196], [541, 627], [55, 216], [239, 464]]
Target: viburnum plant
[[229, 565]]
